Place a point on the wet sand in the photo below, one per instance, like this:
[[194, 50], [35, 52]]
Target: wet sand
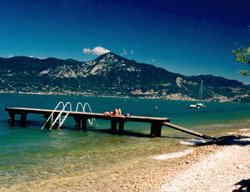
[[136, 175]]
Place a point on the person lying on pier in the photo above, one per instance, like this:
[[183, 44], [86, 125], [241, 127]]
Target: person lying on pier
[[116, 112]]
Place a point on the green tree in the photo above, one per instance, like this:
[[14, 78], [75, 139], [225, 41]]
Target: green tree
[[242, 55]]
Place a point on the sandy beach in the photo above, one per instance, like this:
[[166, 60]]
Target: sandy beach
[[217, 172], [204, 168]]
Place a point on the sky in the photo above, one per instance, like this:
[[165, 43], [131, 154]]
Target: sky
[[186, 36]]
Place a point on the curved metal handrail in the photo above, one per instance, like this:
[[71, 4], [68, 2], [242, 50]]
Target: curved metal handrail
[[63, 113], [59, 116], [79, 104], [51, 117], [92, 120]]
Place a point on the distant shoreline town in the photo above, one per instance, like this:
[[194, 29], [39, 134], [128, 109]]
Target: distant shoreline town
[[172, 97]]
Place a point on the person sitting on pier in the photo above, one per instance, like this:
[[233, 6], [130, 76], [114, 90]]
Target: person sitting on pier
[[116, 112]]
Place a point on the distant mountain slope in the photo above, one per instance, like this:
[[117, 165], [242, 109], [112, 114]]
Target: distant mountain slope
[[110, 74]]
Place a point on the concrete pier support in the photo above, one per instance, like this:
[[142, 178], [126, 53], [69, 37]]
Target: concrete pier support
[[121, 126], [156, 129], [81, 124], [12, 120], [114, 123], [78, 123], [23, 119], [84, 124]]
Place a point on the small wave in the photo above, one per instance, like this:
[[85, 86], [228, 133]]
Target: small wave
[[173, 155], [193, 142], [244, 129]]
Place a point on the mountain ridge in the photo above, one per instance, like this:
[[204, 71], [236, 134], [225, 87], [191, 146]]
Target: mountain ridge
[[111, 74]]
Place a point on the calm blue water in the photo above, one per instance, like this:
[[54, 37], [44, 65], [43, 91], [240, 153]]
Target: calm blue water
[[32, 153]]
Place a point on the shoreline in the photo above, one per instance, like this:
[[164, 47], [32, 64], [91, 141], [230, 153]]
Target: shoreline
[[136, 175], [171, 97], [143, 174]]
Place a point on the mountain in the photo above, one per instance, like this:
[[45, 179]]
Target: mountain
[[111, 74]]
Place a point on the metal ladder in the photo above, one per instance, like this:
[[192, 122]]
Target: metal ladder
[[63, 114], [51, 117]]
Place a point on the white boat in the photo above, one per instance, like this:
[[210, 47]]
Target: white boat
[[201, 104], [197, 105], [194, 106]]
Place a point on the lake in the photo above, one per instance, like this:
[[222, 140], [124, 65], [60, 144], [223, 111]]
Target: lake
[[31, 153]]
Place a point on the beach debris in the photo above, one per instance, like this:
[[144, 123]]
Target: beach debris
[[244, 129], [243, 185], [222, 140], [173, 155], [232, 139]]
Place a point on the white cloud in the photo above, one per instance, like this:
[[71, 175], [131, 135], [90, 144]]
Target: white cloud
[[95, 51]]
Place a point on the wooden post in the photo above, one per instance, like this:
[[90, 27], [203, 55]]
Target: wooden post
[[121, 126], [156, 129], [23, 119], [113, 126], [12, 119]]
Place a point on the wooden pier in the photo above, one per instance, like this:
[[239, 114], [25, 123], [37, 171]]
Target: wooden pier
[[117, 122]]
